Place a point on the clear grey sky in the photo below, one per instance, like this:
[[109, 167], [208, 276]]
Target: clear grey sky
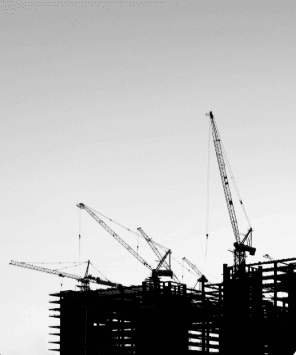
[[104, 103]]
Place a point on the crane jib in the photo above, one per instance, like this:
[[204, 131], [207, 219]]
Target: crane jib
[[115, 235]]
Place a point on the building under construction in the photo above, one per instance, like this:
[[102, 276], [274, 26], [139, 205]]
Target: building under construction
[[250, 312]]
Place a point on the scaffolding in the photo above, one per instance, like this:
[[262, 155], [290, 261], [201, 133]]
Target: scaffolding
[[248, 313]]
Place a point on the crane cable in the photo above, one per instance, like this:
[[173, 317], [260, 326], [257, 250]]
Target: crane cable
[[138, 246], [54, 262], [79, 231], [128, 229], [182, 270], [99, 271], [208, 191], [67, 267]]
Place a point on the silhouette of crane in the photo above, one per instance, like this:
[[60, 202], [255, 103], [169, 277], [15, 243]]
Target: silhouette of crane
[[157, 253], [240, 246], [155, 272], [85, 280], [202, 277]]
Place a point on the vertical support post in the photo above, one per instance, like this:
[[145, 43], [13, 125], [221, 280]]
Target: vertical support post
[[119, 332], [275, 287], [220, 314], [291, 293], [225, 301], [184, 289], [144, 286], [257, 312], [85, 332], [207, 335], [121, 320], [61, 324], [203, 316]]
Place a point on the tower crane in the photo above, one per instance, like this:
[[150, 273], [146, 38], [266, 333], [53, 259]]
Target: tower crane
[[85, 280], [167, 272], [155, 272], [240, 246], [202, 277], [157, 253]]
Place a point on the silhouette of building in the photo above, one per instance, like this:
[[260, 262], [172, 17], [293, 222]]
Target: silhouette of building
[[250, 312]]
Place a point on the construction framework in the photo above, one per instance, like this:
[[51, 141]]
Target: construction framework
[[163, 317]]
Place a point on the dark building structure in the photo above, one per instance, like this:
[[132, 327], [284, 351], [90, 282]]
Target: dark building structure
[[251, 312]]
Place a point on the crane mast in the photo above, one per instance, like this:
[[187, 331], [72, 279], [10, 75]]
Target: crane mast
[[240, 247]]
